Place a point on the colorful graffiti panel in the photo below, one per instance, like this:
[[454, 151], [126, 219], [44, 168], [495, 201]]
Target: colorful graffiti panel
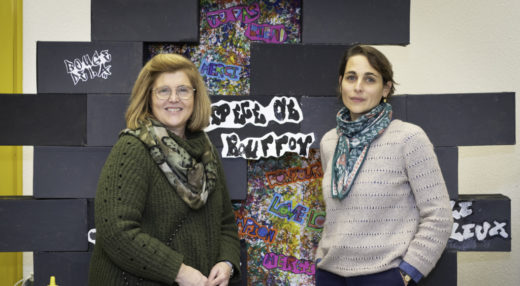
[[227, 27], [282, 219]]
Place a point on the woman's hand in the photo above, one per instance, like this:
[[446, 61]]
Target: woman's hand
[[219, 275], [189, 276]]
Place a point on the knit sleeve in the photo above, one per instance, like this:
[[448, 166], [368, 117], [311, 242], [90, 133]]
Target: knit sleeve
[[431, 199], [230, 244], [119, 207]]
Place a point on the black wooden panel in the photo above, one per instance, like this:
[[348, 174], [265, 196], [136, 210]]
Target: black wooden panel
[[444, 273], [465, 119], [105, 118], [481, 223], [27, 224], [295, 69], [67, 172], [69, 268], [88, 67], [398, 103], [235, 170], [448, 158], [43, 119], [346, 22], [91, 225], [73, 172], [243, 265], [250, 130], [137, 20], [319, 114]]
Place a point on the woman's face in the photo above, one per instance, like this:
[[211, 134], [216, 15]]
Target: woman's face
[[173, 112], [361, 86]]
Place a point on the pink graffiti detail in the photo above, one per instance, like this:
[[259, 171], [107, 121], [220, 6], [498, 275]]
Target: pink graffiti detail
[[249, 227], [274, 34], [289, 263], [293, 175], [245, 14]]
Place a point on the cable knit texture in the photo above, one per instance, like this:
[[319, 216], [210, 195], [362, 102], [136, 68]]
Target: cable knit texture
[[398, 208], [144, 229]]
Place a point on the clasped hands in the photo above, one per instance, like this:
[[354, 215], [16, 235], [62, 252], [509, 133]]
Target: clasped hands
[[218, 276]]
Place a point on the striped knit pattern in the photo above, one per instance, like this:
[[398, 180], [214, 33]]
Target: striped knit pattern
[[398, 208], [136, 213]]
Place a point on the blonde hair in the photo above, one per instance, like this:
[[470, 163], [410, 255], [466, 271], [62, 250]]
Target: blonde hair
[[139, 108]]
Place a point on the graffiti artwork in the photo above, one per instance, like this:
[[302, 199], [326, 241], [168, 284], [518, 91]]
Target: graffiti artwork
[[220, 70], [288, 263], [480, 231], [293, 175], [227, 27], [294, 209], [241, 13], [270, 145], [239, 113], [273, 34], [248, 226], [89, 67]]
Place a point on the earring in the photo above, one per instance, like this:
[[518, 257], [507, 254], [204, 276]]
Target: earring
[[384, 99]]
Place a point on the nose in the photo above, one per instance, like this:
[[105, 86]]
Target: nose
[[174, 97], [358, 85]]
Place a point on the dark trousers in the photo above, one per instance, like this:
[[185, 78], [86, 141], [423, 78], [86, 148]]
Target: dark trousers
[[391, 277]]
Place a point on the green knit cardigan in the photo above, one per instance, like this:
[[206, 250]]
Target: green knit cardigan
[[144, 231]]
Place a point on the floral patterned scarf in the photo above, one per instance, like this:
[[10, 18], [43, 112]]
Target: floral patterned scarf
[[354, 140]]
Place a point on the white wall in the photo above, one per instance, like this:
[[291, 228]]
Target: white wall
[[462, 46]]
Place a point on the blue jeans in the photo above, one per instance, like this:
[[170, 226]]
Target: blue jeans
[[391, 277]]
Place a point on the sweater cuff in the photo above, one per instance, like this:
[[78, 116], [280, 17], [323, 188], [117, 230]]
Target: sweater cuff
[[410, 270]]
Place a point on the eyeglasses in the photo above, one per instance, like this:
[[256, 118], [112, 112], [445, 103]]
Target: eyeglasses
[[182, 91]]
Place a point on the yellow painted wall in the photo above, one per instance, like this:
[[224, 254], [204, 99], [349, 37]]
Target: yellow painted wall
[[11, 269]]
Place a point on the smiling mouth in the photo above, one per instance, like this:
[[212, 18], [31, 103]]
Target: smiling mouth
[[357, 99], [173, 109]]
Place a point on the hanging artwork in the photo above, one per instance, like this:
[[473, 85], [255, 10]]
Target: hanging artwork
[[282, 218], [237, 114], [227, 27]]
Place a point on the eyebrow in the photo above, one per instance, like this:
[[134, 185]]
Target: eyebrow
[[163, 86], [368, 73], [167, 86]]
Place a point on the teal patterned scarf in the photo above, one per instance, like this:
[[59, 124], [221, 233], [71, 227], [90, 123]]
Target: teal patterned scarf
[[354, 139], [192, 178]]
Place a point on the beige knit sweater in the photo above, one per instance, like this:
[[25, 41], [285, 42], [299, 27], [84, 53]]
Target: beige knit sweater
[[398, 208]]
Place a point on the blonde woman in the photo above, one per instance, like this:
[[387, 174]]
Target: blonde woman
[[162, 210]]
